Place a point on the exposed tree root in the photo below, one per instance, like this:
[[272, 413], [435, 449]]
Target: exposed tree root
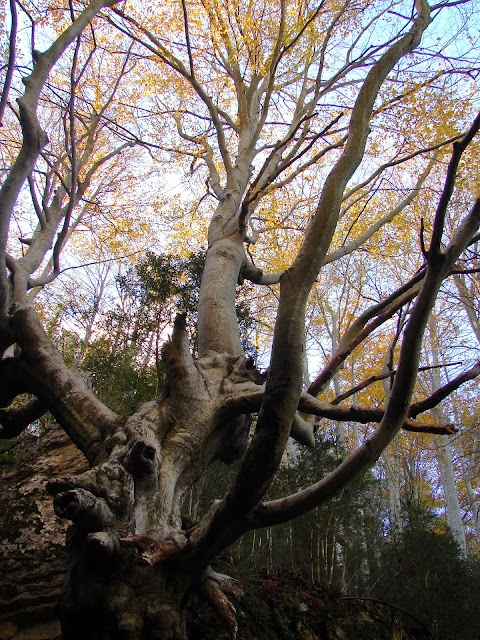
[[214, 586]]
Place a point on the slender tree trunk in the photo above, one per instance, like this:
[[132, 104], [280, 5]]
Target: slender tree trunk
[[445, 463], [468, 300], [269, 552], [393, 477], [474, 504], [391, 458], [443, 452], [290, 547], [335, 339]]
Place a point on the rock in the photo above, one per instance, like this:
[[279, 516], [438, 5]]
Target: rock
[[33, 559]]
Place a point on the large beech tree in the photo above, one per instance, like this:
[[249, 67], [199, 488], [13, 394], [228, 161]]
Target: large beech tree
[[271, 100]]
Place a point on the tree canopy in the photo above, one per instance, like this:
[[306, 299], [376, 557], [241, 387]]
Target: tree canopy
[[324, 157]]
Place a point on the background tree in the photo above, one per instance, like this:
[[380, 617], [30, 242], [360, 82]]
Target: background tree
[[289, 114]]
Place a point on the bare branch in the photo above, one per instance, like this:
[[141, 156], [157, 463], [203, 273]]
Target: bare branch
[[359, 330], [444, 392], [72, 143], [168, 58], [398, 161], [34, 138], [11, 60], [256, 275], [187, 37], [458, 149], [382, 376], [384, 220], [313, 406]]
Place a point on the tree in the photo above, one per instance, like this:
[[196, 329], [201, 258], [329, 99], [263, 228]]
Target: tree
[[274, 105]]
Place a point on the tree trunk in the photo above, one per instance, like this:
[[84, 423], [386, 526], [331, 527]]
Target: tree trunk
[[474, 505], [444, 457], [116, 600], [445, 464], [131, 567], [133, 560], [217, 319], [393, 478]]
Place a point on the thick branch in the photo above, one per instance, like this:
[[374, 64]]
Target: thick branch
[[11, 59], [444, 392], [255, 274], [85, 419], [249, 399], [323, 224], [438, 267], [86, 510], [151, 552], [311, 405], [14, 421]]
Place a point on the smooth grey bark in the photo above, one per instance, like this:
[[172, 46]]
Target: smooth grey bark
[[391, 456], [334, 333], [444, 457], [474, 503], [393, 476], [445, 463], [468, 305]]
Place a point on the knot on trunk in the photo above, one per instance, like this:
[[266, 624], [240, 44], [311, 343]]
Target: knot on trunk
[[230, 371], [84, 509], [102, 547], [143, 460], [109, 481]]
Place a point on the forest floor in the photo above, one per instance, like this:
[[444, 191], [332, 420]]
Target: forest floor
[[288, 609]]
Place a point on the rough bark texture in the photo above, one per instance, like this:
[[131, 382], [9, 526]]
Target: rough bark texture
[[130, 566], [33, 557]]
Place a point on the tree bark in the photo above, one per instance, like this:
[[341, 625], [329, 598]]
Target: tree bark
[[33, 557], [444, 458]]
